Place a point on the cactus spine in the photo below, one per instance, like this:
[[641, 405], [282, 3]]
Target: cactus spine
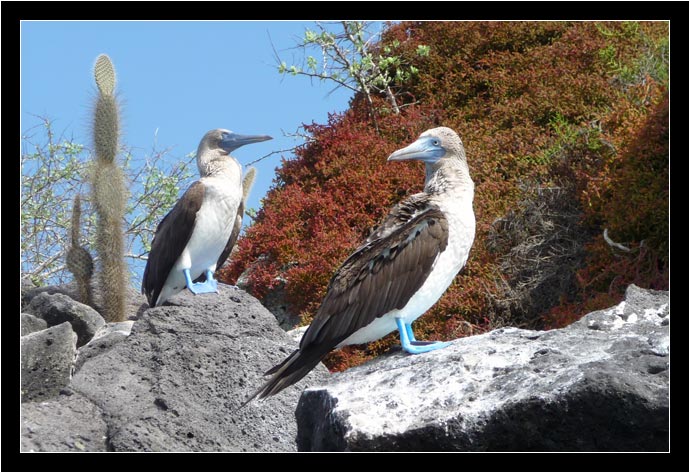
[[109, 194], [79, 261]]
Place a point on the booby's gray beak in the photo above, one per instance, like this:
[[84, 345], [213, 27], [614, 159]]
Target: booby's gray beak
[[427, 149], [232, 141]]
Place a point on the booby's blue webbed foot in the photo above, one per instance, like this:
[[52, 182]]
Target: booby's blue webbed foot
[[210, 285], [410, 345]]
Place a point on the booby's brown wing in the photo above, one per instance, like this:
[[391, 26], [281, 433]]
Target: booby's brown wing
[[380, 276], [400, 214], [172, 235]]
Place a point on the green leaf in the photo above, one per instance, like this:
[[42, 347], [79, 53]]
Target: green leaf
[[423, 50], [311, 63]]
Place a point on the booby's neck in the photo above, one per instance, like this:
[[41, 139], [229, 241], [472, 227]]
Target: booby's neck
[[451, 175], [216, 163]]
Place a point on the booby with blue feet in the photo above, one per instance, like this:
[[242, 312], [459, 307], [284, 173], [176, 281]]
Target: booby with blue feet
[[197, 235], [401, 270]]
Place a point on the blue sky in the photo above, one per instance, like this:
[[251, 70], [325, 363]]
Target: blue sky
[[176, 80]]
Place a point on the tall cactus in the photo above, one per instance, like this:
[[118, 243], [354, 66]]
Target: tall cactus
[[79, 261], [109, 194]]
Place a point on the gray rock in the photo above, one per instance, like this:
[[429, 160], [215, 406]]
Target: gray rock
[[67, 423], [69, 289], [105, 338], [177, 381], [274, 300], [47, 361], [58, 308], [122, 328], [297, 333], [135, 302], [600, 384], [30, 324], [25, 285]]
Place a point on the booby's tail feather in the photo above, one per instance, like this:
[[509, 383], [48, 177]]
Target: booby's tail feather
[[247, 183], [288, 372]]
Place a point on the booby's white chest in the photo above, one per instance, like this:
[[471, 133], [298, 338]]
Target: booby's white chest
[[461, 230], [213, 224]]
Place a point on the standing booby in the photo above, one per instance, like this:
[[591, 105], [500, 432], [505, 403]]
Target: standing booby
[[401, 270], [197, 235]]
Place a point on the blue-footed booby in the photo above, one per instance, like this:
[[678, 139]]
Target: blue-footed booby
[[197, 235], [401, 270]]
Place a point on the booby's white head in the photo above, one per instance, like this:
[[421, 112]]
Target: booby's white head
[[216, 145], [437, 148], [432, 146]]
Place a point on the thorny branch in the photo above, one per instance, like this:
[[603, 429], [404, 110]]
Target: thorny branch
[[307, 138]]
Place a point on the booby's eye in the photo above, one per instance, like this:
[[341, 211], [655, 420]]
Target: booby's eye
[[435, 142]]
